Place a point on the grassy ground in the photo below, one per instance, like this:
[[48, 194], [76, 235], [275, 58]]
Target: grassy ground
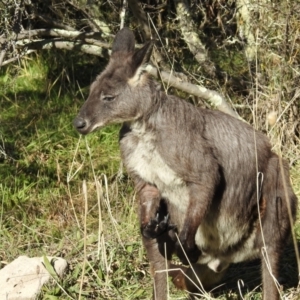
[[62, 195]]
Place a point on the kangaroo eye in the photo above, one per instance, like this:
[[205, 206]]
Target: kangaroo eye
[[108, 98]]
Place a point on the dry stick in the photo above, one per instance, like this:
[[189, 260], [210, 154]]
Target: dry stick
[[101, 238], [144, 21], [123, 13], [75, 246], [2, 54], [107, 202], [17, 57], [295, 97], [264, 248], [27, 37], [189, 31], [200, 287], [239, 283], [2, 148], [89, 37], [2, 205], [101, 241], [156, 54], [84, 191], [69, 178]]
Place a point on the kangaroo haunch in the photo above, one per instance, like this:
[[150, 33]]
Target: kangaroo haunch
[[208, 176]]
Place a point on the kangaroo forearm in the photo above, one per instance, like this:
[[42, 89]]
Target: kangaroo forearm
[[199, 202], [149, 198]]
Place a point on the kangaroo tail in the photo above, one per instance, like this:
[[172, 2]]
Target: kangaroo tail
[[279, 198]]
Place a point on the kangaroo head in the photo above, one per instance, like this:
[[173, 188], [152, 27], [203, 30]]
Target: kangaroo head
[[118, 94]]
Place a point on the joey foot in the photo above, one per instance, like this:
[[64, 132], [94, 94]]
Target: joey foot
[[157, 226], [187, 254]]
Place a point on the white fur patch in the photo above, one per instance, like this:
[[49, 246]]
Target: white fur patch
[[147, 162], [138, 78]]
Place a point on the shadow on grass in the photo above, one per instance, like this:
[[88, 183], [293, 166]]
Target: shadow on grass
[[245, 277]]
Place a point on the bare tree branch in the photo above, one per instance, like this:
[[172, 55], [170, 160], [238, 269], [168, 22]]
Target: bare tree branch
[[88, 37], [245, 28], [211, 96], [17, 57], [190, 36], [53, 22], [123, 13], [59, 44]]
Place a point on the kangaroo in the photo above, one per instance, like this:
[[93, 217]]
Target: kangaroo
[[200, 173]]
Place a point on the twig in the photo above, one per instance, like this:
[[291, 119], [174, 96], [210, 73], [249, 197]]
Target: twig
[[53, 22], [17, 57], [123, 13], [2, 55], [84, 192]]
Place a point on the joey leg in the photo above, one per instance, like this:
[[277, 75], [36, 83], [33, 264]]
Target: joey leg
[[159, 252], [196, 278]]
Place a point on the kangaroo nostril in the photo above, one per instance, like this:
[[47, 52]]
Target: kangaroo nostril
[[79, 123]]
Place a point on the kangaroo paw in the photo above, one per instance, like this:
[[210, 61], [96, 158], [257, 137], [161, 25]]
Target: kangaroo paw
[[157, 226]]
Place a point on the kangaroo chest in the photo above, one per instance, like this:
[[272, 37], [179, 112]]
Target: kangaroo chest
[[141, 157]]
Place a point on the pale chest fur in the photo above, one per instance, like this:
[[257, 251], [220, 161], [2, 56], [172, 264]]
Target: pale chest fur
[[144, 160]]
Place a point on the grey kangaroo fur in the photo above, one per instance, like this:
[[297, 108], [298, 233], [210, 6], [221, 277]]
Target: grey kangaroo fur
[[200, 173]]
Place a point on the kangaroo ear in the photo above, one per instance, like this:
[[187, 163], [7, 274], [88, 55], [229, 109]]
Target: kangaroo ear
[[124, 41], [139, 59], [142, 56]]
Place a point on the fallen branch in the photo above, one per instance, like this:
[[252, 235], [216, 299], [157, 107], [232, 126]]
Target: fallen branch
[[17, 57], [88, 37], [60, 44]]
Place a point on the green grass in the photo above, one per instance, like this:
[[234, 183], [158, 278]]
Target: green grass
[[39, 189], [43, 167]]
